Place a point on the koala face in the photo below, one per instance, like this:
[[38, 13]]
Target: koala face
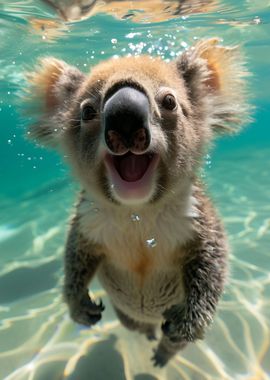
[[135, 128], [132, 132]]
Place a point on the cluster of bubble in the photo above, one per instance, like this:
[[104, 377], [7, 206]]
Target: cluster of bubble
[[149, 42]]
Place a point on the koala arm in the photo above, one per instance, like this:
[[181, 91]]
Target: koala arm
[[81, 262], [204, 277], [205, 272]]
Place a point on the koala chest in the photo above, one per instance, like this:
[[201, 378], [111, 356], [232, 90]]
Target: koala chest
[[140, 248], [143, 282], [142, 262], [142, 289]]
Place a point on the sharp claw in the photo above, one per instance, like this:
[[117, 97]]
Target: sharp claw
[[87, 312], [165, 327], [100, 305], [96, 307]]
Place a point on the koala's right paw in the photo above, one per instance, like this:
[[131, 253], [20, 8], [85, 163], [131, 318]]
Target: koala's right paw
[[85, 311]]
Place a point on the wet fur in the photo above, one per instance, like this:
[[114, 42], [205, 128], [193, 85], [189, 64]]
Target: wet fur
[[177, 283]]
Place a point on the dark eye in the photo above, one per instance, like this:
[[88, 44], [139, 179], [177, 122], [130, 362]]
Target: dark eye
[[169, 102], [88, 113]]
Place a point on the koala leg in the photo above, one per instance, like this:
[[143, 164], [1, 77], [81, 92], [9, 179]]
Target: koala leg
[[204, 273], [143, 328], [81, 263]]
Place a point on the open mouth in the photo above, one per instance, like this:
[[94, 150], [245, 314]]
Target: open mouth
[[132, 175]]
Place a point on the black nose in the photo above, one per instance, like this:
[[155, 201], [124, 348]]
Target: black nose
[[126, 118]]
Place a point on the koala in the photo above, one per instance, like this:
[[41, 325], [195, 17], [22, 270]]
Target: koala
[[135, 131]]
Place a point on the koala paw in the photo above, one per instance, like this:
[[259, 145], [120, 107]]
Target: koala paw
[[178, 327], [86, 312], [158, 359], [166, 350]]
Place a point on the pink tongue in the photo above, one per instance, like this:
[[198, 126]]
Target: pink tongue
[[132, 167]]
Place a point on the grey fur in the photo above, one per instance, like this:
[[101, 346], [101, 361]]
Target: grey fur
[[81, 263]]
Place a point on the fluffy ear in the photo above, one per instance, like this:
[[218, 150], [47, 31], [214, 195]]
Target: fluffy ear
[[215, 77], [52, 87]]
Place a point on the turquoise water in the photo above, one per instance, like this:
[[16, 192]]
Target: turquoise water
[[37, 339]]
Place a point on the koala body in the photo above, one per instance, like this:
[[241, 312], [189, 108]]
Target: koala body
[[135, 131]]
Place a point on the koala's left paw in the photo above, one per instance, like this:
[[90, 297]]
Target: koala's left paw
[[166, 351], [160, 357]]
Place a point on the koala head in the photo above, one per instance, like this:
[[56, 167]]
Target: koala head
[[135, 128]]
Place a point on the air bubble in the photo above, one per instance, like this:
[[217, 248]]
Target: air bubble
[[208, 160], [135, 218], [151, 243], [114, 41], [96, 210], [132, 35], [132, 46], [257, 20]]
